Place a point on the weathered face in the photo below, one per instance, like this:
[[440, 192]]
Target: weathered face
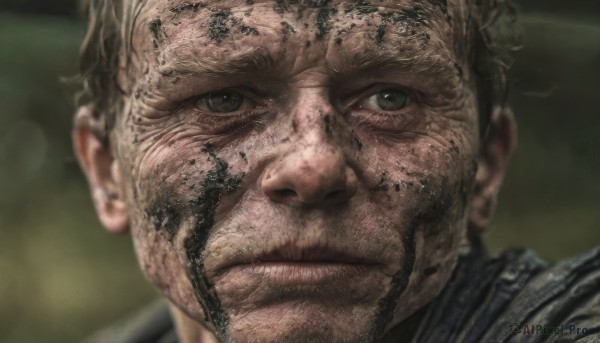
[[298, 170]]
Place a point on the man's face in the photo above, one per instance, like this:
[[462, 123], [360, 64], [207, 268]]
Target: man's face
[[298, 170]]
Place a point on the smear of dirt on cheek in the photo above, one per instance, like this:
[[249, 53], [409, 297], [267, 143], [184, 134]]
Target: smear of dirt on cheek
[[400, 280], [387, 305], [433, 215], [217, 183]]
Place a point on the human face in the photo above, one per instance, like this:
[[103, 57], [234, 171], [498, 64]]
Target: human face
[[298, 170]]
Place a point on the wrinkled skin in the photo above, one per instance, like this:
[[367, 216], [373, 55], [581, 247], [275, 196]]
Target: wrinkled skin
[[307, 162]]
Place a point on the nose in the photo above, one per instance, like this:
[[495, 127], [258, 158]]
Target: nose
[[317, 174]]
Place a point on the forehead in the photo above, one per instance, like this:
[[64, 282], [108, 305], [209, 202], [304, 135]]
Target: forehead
[[343, 34], [281, 6]]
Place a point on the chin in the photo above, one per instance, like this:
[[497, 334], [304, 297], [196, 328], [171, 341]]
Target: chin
[[304, 322]]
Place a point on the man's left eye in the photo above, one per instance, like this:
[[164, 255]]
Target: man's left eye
[[221, 102], [388, 99]]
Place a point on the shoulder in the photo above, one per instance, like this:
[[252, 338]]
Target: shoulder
[[502, 299], [151, 324], [562, 303]]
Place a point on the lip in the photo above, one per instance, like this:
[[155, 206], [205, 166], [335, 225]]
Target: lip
[[302, 273], [290, 264]]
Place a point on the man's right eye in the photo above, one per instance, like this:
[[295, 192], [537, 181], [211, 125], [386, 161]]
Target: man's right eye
[[222, 102]]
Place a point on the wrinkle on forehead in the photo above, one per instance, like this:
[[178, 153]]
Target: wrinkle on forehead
[[294, 10], [224, 55], [448, 17]]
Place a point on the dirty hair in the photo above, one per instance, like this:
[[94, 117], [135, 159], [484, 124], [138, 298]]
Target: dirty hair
[[492, 28], [496, 35], [104, 55]]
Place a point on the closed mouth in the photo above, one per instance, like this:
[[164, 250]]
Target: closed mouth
[[294, 264]]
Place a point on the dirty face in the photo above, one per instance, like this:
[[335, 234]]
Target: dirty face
[[298, 170]]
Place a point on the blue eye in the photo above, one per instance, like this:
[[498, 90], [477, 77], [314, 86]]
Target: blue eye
[[388, 99], [221, 102]]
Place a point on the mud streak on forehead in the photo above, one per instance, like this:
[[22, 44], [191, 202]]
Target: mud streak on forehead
[[224, 22], [218, 19], [159, 20]]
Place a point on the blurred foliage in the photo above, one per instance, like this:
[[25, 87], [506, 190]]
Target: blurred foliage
[[62, 276], [551, 198], [54, 7]]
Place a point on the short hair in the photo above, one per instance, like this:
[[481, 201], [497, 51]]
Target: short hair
[[493, 33]]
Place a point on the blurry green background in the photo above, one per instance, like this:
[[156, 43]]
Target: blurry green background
[[62, 276]]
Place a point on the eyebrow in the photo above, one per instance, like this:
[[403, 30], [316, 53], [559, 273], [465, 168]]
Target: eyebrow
[[259, 60], [407, 62]]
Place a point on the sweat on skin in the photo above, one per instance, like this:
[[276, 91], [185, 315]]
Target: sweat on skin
[[256, 134]]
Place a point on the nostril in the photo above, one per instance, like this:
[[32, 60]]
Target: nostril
[[285, 193]]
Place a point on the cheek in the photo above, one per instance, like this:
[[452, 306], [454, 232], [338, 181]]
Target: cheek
[[168, 164], [164, 181], [172, 171], [435, 261], [425, 176], [162, 266], [179, 181], [429, 182], [167, 181]]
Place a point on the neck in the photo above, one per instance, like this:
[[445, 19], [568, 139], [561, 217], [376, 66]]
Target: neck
[[189, 330]]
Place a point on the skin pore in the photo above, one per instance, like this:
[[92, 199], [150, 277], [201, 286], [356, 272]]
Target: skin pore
[[295, 171]]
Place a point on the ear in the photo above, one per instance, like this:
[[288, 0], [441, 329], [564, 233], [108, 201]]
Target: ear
[[102, 172], [497, 147]]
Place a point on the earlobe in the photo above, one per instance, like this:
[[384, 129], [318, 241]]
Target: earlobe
[[102, 172], [497, 147]]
